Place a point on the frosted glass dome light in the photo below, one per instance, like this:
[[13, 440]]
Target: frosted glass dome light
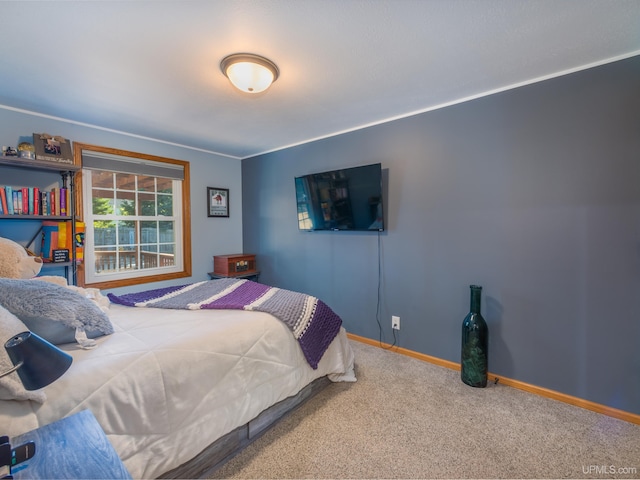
[[248, 72]]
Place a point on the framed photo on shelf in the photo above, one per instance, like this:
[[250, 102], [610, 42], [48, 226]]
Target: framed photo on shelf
[[52, 148], [217, 202]]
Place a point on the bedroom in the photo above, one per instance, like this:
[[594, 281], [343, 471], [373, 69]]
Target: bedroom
[[530, 192]]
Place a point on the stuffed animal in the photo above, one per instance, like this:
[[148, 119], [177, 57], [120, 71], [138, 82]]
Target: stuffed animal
[[15, 262]]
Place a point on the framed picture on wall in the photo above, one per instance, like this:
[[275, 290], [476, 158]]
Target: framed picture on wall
[[217, 202]]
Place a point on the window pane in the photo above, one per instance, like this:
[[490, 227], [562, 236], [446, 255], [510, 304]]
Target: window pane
[[125, 181], [165, 205], [147, 204], [148, 232], [104, 233], [167, 255], [168, 248], [103, 203], [167, 244], [146, 184], [106, 259], [126, 234], [102, 180], [125, 203], [148, 256], [166, 232], [165, 185], [128, 258]]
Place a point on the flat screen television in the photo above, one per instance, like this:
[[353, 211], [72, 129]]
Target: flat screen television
[[345, 199]]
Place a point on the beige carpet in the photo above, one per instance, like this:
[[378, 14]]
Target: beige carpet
[[405, 418]]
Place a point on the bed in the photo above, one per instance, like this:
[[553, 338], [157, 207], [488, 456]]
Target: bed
[[170, 382]]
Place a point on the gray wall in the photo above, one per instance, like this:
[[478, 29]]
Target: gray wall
[[210, 236], [533, 193]]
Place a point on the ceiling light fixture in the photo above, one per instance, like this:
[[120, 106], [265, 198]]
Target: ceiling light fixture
[[248, 72]]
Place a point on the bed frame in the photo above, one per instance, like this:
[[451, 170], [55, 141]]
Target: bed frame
[[226, 447]]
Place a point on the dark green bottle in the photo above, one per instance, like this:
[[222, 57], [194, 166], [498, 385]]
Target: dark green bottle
[[475, 336]]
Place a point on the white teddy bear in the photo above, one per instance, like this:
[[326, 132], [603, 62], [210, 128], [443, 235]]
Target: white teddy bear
[[15, 262]]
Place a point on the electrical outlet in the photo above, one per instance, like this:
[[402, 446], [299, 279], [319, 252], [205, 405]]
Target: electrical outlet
[[395, 322]]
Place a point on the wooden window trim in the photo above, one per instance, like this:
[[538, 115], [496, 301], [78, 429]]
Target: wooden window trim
[[186, 217]]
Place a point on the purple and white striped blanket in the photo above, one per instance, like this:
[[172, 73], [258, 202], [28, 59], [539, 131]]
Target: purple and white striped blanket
[[313, 324]]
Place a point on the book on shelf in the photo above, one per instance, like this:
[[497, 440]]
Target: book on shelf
[[49, 239], [64, 235], [3, 200], [30, 202], [79, 241], [44, 202], [17, 201], [55, 201], [35, 195], [63, 201], [24, 201], [9, 194]]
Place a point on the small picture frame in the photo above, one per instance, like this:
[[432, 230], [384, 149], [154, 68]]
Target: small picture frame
[[51, 148], [217, 202]]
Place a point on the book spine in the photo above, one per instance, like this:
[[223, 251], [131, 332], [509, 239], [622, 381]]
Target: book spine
[[17, 201], [63, 201], [32, 207], [64, 236], [54, 241], [79, 241], [48, 230], [9, 194], [45, 203], [25, 201], [56, 192], [3, 199], [37, 210]]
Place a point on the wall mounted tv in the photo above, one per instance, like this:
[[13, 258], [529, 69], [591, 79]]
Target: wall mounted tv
[[346, 199]]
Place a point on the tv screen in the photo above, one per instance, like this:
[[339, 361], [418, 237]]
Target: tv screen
[[346, 199]]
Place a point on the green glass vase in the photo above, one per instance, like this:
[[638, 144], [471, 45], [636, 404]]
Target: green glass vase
[[475, 336]]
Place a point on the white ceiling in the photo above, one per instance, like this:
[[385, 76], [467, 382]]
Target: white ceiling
[[151, 68]]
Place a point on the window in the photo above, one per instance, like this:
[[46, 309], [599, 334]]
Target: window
[[135, 208]]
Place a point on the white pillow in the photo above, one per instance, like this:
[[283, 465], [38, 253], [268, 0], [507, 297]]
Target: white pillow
[[11, 387]]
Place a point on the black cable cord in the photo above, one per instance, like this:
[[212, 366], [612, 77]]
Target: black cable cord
[[379, 300]]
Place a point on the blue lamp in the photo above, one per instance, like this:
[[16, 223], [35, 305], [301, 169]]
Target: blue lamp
[[37, 362]]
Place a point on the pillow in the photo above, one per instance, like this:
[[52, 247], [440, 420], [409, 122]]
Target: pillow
[[54, 312], [11, 387]]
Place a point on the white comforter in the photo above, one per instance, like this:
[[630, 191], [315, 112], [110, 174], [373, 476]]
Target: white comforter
[[168, 383]]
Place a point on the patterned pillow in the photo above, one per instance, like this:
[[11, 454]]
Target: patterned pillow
[[11, 387]]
